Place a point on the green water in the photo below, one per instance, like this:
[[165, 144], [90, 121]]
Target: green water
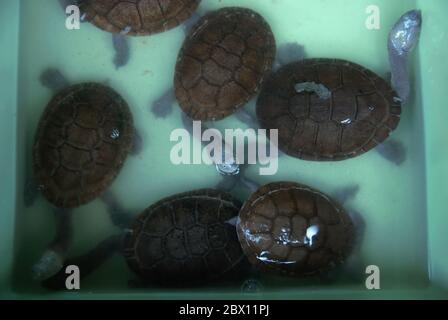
[[391, 199]]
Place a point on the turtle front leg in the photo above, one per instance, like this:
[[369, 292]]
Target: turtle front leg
[[30, 192], [345, 194], [287, 53], [54, 257], [247, 118], [137, 143], [122, 50], [163, 106], [393, 151]]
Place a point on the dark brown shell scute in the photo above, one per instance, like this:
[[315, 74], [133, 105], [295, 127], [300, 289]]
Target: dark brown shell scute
[[274, 230], [82, 141], [185, 238], [223, 63], [141, 17], [360, 114]]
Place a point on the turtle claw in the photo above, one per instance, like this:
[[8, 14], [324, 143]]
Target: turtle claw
[[48, 266], [393, 150], [163, 106]]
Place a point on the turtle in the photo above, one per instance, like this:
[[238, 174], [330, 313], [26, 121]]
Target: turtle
[[184, 239], [81, 144], [223, 63], [83, 139], [286, 52], [292, 229], [138, 17], [342, 111], [334, 109], [133, 18]]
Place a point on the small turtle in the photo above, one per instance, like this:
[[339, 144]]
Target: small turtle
[[81, 144], [223, 63], [138, 17], [293, 229], [182, 239], [329, 109], [163, 106]]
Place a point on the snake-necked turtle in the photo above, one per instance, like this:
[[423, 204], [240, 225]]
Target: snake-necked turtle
[[330, 109], [83, 139], [183, 239], [294, 229], [133, 18], [138, 17], [81, 144], [223, 62]]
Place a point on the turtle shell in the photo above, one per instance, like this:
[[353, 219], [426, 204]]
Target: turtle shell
[[293, 229], [185, 238], [139, 17], [82, 141], [223, 63], [358, 113]]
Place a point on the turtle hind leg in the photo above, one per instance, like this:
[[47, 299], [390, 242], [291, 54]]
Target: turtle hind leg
[[163, 106], [30, 192], [53, 258], [347, 193], [137, 143], [53, 79], [86, 263], [393, 150], [120, 217], [122, 50]]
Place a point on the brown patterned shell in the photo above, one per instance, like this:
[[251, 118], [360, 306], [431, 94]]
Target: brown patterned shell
[[82, 141], [276, 230], [360, 114], [143, 17], [223, 63], [185, 238]]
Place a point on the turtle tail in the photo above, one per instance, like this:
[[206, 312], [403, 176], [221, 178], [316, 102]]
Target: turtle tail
[[86, 263], [53, 258]]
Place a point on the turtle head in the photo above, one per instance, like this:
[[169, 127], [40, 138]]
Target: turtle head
[[406, 32]]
